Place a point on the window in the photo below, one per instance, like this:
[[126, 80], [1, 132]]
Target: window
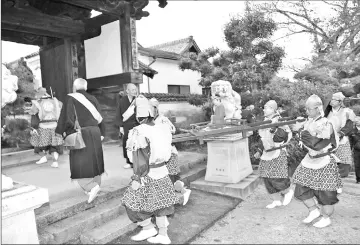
[[178, 89]]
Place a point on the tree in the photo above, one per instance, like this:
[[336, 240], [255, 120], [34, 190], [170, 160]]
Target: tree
[[339, 30], [252, 59]]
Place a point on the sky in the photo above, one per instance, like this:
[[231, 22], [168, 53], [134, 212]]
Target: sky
[[204, 20]]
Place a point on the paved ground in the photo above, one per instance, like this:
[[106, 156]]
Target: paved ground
[[250, 222], [58, 182]]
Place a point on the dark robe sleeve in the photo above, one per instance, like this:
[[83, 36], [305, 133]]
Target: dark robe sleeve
[[347, 129], [280, 135], [314, 142], [66, 122], [119, 112]]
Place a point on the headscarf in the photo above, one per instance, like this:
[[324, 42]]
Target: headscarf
[[143, 107], [154, 102], [338, 96], [315, 102], [272, 104]]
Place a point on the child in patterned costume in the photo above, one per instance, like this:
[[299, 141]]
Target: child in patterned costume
[[343, 119], [273, 164], [44, 139], [317, 176], [172, 164], [151, 192]]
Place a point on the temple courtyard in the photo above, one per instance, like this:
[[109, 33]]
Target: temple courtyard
[[207, 218]]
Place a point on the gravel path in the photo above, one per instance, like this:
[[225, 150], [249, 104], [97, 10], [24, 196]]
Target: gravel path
[[250, 222]]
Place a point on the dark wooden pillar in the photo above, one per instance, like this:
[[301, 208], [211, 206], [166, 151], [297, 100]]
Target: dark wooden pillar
[[126, 44], [125, 40], [56, 68]]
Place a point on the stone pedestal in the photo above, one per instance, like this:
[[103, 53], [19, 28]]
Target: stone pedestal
[[18, 218], [228, 159]]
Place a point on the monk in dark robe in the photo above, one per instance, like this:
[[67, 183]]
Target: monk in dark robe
[[87, 164], [125, 117]]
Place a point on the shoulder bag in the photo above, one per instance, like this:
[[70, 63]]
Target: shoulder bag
[[75, 140]]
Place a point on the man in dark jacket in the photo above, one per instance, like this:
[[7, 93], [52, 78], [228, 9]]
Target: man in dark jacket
[[125, 117], [86, 164], [355, 145]]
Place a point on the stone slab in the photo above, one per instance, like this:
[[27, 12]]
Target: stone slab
[[22, 198], [17, 213], [200, 213], [241, 189]]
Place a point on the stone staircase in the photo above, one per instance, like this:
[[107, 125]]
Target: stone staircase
[[74, 221]]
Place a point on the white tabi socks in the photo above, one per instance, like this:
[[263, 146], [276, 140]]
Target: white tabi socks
[[55, 164], [323, 222], [42, 160], [312, 215], [288, 196], [274, 204]]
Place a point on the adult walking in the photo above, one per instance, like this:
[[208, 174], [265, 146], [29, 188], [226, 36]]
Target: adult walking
[[355, 144], [343, 120], [46, 111], [86, 164], [317, 176], [125, 117]]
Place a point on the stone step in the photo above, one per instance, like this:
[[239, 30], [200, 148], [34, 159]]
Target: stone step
[[108, 232], [61, 210], [118, 227], [72, 227], [57, 211], [241, 189]]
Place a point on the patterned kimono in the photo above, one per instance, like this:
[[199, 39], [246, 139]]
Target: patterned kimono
[[273, 165], [318, 171], [48, 111], [150, 146], [172, 164]]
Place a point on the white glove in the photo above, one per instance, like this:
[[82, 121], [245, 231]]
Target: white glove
[[102, 138], [135, 185], [257, 155], [121, 130]]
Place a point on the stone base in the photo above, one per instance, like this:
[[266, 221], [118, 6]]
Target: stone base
[[241, 189], [18, 218], [228, 159]]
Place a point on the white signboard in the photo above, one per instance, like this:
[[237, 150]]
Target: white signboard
[[103, 53]]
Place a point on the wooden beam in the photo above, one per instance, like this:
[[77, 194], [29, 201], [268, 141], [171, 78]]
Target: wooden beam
[[113, 80], [25, 20], [107, 7], [115, 7], [25, 38]]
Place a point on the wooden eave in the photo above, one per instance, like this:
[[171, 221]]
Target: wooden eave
[[29, 21]]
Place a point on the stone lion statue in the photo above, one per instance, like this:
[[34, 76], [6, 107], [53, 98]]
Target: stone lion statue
[[9, 84], [230, 99]]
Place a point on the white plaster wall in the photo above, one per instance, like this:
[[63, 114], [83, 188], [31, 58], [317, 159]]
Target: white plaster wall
[[103, 53], [177, 106], [169, 74]]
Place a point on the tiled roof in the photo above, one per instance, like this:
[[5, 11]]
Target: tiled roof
[[158, 53], [178, 46], [147, 70]]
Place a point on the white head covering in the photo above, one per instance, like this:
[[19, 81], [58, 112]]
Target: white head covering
[[143, 107], [272, 104], [315, 102], [338, 96], [154, 102]]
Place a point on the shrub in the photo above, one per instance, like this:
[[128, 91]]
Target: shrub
[[15, 133]]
